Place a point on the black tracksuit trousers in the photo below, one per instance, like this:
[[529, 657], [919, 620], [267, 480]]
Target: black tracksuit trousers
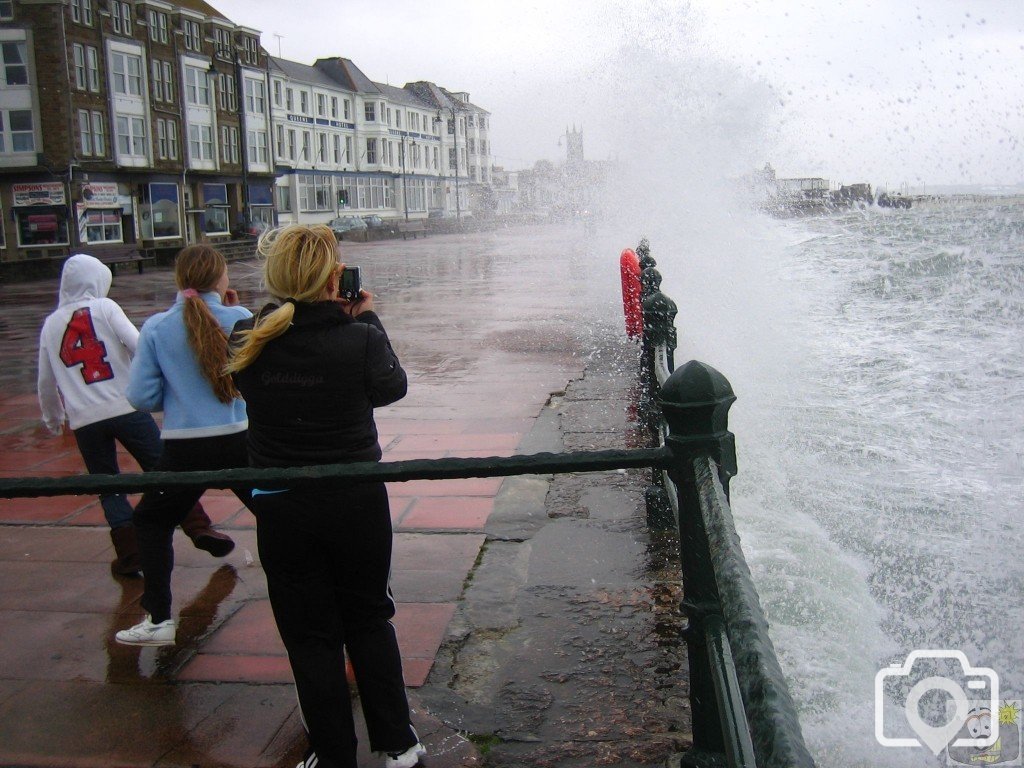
[[327, 557]]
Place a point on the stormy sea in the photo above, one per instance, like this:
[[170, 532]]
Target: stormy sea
[[878, 360]]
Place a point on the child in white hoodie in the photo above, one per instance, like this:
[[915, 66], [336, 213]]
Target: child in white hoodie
[[85, 352]]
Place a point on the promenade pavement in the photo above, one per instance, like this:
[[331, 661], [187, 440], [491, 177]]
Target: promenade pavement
[[491, 329]]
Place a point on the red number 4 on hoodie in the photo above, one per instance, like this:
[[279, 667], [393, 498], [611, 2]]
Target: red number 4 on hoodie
[[81, 347]]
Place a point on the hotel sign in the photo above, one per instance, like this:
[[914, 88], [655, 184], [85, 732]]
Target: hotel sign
[[45, 193]]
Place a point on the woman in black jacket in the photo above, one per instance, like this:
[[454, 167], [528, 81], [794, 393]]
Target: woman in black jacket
[[311, 369]]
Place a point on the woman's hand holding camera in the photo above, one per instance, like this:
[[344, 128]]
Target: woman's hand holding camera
[[355, 307]]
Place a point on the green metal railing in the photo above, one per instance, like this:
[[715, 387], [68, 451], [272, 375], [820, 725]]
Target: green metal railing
[[742, 712]]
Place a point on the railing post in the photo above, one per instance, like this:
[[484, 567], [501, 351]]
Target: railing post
[[659, 330], [695, 402]]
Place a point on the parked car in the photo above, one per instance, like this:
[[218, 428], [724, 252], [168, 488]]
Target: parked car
[[373, 221], [344, 224]]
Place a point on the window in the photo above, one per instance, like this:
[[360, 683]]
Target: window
[[78, 54], [337, 149], [229, 144], [81, 12], [6, 13], [200, 142], [99, 134], [16, 133], [371, 150], [348, 149], [435, 159], [305, 145], [158, 26], [127, 70], [416, 190], [222, 43], [277, 93], [193, 37], [15, 64], [87, 67], [256, 144], [159, 212], [131, 136], [289, 99], [284, 198], [42, 227], [451, 159], [369, 192], [166, 140], [291, 145], [163, 87], [279, 144], [255, 96], [398, 118], [321, 156], [252, 50], [215, 196], [101, 226], [369, 111], [122, 16], [334, 107], [321, 105], [197, 87], [226, 96], [315, 192], [472, 145], [91, 133], [92, 68], [303, 102], [348, 109]]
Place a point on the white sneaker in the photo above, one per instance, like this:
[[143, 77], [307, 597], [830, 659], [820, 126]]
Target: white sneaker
[[408, 759], [148, 633]]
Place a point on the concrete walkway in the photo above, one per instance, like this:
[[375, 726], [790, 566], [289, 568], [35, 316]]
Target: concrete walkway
[[487, 326]]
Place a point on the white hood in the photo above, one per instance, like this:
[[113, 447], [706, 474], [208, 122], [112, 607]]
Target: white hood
[[82, 278]]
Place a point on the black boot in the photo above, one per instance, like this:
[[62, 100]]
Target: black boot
[[197, 526]]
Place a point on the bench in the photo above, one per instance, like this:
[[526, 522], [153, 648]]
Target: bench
[[414, 228], [115, 255]]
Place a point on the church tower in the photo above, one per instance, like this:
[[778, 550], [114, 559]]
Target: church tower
[[573, 147]]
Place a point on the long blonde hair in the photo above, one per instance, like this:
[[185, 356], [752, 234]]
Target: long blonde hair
[[298, 262], [197, 269]]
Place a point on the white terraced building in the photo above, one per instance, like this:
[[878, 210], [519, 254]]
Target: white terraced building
[[345, 144]]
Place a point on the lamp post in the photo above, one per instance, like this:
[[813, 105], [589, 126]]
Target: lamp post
[[243, 138], [455, 134], [405, 191]]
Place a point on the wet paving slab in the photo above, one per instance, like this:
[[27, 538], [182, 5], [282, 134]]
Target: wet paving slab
[[490, 328]]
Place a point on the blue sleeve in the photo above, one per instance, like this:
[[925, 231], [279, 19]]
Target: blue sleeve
[[146, 382]]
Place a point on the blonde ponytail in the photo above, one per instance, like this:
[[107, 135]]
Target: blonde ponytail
[[298, 262]]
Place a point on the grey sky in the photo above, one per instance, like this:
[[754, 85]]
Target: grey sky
[[886, 91]]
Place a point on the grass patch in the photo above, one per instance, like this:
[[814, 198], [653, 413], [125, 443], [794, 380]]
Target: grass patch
[[484, 742]]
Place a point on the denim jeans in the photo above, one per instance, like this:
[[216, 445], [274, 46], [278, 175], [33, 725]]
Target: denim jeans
[[97, 442]]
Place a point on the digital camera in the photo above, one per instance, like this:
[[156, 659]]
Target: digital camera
[[351, 284]]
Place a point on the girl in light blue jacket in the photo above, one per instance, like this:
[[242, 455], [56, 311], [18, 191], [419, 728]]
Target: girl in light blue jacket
[[179, 369]]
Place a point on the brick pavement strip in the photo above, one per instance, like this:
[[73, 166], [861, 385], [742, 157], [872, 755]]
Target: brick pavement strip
[[71, 696]]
